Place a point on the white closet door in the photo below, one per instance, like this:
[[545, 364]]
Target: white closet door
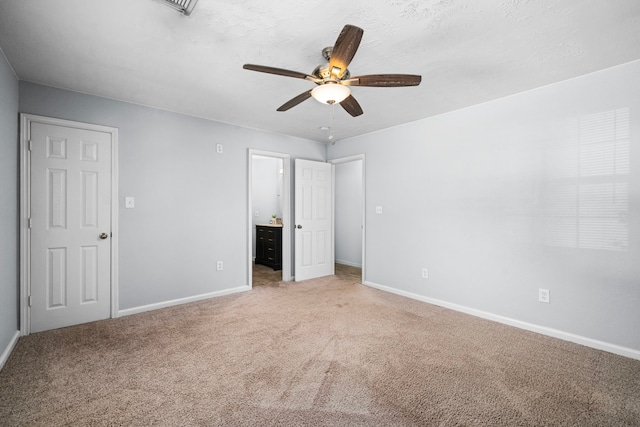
[[70, 226]]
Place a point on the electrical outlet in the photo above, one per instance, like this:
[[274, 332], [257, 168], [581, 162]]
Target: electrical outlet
[[425, 273], [219, 266], [543, 295], [379, 210], [219, 148]]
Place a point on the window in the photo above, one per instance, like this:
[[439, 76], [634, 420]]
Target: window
[[587, 202]]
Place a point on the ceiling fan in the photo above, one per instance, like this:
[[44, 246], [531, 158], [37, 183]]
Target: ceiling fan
[[333, 79]]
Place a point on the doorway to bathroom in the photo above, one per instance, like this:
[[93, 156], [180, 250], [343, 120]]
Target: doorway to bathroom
[[269, 228]]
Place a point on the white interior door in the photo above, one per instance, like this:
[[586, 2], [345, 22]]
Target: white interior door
[[70, 214], [314, 255]]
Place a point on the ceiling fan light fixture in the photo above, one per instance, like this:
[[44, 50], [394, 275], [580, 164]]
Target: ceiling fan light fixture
[[330, 93], [334, 79]]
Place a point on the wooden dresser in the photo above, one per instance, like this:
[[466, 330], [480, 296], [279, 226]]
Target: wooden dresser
[[269, 245]]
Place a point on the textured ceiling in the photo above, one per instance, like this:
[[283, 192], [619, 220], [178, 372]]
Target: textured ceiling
[[467, 52]]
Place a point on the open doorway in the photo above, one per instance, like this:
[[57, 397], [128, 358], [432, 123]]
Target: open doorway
[[268, 192], [349, 217]]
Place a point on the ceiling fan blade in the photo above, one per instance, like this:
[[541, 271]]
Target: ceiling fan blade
[[295, 101], [280, 72], [344, 50], [351, 106], [384, 80]]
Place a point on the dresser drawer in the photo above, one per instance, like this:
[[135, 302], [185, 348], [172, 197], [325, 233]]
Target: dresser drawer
[[269, 246]]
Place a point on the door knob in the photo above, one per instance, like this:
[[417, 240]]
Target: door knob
[[299, 226], [103, 236]]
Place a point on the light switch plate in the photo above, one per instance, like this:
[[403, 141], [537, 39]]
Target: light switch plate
[[129, 202], [378, 209]]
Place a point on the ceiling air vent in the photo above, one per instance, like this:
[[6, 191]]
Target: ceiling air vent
[[184, 6]]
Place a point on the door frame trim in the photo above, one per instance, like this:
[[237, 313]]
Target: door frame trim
[[25, 207], [349, 159], [287, 275]]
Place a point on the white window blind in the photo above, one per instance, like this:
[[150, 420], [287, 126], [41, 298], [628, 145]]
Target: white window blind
[[587, 202]]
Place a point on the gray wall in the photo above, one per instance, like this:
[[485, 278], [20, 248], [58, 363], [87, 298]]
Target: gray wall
[[190, 203], [8, 203], [348, 213], [536, 190]]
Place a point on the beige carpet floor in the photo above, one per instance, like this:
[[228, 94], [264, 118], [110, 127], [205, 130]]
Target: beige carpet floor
[[322, 352], [267, 276]]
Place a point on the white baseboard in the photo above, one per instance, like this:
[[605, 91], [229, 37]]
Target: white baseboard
[[164, 304], [566, 336], [349, 263], [7, 351]]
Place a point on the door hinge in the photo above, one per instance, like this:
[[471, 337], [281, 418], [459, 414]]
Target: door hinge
[[29, 301], [30, 145], [30, 222]]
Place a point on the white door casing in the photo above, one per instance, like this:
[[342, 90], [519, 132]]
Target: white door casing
[[70, 223], [314, 251]]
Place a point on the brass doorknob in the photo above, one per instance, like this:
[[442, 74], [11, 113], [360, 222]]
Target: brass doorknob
[[103, 236]]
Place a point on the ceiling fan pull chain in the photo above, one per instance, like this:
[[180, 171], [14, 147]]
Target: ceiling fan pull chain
[[332, 107]]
